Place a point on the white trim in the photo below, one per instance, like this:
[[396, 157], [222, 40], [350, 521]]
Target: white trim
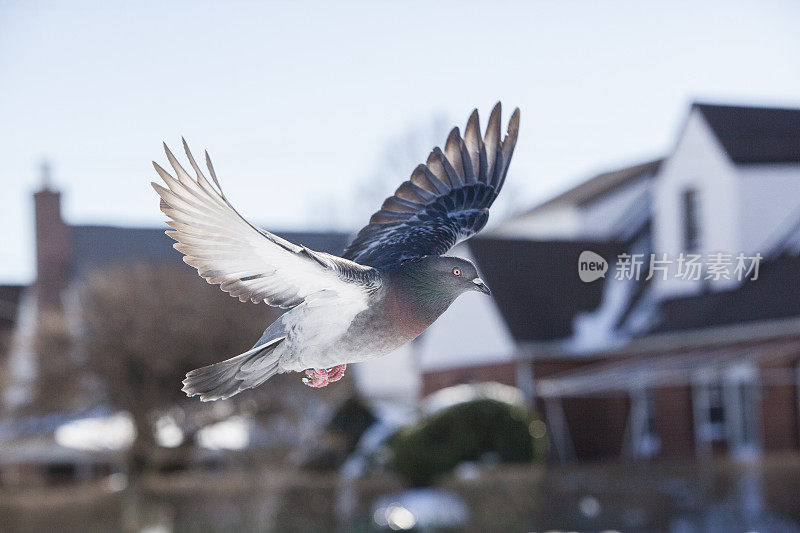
[[700, 407], [683, 339], [742, 414], [644, 443], [557, 422]]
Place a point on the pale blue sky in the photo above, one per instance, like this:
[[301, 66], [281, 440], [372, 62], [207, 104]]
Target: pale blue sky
[[296, 102]]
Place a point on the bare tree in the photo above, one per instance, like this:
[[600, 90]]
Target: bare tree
[[401, 154], [145, 327], [60, 384], [393, 165]]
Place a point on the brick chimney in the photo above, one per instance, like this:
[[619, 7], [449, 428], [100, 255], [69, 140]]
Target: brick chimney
[[52, 246]]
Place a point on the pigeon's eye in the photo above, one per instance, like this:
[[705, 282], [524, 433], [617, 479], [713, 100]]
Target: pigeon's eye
[[456, 271]]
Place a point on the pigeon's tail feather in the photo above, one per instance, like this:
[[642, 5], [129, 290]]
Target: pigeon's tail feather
[[227, 378]]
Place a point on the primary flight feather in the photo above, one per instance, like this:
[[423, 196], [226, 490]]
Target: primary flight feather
[[391, 283]]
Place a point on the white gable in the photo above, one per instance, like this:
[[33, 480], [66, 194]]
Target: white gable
[[770, 197], [562, 221], [699, 163]]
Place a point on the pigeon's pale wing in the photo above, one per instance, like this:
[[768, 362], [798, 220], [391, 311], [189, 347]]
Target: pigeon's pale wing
[[246, 261], [445, 201]]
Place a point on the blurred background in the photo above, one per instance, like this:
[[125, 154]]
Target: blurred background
[[634, 402]]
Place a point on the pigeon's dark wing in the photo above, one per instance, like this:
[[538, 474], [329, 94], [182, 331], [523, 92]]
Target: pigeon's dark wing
[[246, 261], [445, 201]]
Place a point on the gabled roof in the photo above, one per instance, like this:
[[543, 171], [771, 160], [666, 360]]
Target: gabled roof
[[97, 247], [755, 134], [774, 295], [539, 294], [601, 185], [536, 284], [537, 289]]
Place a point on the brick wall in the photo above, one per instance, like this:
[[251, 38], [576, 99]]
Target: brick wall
[[597, 423], [52, 248], [674, 421], [502, 373], [779, 410]]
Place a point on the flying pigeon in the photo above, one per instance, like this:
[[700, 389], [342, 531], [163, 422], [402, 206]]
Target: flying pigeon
[[389, 285]]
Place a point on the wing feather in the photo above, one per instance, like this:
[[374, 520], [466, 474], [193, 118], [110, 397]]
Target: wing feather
[[248, 262], [446, 200]]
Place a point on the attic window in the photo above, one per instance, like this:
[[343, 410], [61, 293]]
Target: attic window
[[691, 220]]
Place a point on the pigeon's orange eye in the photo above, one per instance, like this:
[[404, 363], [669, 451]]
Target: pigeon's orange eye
[[456, 271]]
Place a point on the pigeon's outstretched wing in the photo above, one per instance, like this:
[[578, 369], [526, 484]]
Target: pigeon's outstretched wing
[[445, 201], [246, 261]]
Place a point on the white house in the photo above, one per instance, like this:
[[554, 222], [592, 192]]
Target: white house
[[663, 364], [730, 185]]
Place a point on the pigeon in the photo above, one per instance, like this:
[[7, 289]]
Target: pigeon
[[392, 281]]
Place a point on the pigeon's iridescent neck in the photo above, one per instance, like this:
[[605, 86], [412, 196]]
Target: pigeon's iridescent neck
[[416, 301]]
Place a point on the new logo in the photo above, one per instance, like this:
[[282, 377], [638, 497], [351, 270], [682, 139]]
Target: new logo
[[591, 266]]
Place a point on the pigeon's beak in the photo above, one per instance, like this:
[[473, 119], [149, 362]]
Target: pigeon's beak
[[481, 286]]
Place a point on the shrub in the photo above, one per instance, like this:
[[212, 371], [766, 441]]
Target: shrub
[[470, 431]]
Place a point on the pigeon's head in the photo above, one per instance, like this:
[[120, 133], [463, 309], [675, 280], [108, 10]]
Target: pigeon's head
[[449, 275]]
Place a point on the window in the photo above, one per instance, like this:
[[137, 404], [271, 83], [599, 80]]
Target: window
[[716, 412], [726, 409], [691, 220], [708, 406]]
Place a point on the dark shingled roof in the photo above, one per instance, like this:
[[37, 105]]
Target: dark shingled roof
[[775, 294], [97, 247], [602, 184], [536, 284], [755, 134]]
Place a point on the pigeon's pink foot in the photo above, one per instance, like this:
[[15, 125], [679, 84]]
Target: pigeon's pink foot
[[320, 377], [336, 373], [317, 377]]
